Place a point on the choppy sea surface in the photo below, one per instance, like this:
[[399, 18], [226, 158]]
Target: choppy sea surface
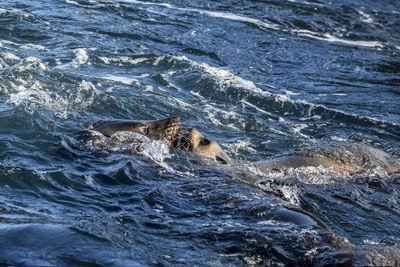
[[260, 77]]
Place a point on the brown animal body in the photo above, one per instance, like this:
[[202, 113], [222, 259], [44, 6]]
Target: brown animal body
[[341, 156], [171, 132], [166, 130], [344, 156]]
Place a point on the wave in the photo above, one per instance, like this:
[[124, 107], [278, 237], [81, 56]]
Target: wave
[[227, 81], [269, 25]]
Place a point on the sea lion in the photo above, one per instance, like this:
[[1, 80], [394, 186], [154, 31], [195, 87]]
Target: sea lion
[[166, 130], [171, 132], [341, 156]]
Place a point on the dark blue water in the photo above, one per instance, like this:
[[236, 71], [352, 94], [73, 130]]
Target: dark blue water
[[259, 77]]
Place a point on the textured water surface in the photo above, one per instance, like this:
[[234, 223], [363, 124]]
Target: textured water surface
[[259, 77]]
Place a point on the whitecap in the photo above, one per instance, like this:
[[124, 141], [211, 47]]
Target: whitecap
[[333, 39], [288, 92], [148, 3], [227, 79], [83, 97], [121, 79], [72, 2], [88, 179], [241, 144], [27, 95], [130, 142], [211, 112], [370, 242], [121, 60], [33, 96], [81, 57], [32, 99], [367, 18], [29, 63], [158, 60], [224, 77], [32, 46], [255, 107], [338, 139], [235, 17], [10, 56], [290, 193]]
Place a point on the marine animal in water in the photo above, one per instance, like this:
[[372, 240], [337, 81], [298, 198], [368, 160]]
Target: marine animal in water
[[171, 132], [341, 156]]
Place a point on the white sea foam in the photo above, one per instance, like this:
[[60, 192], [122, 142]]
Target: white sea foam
[[72, 2], [227, 79], [338, 139], [212, 111], [10, 56], [288, 92], [32, 46], [180, 103], [333, 39], [88, 179], [290, 193], [87, 86], [367, 18], [10, 43], [158, 60], [3, 64], [305, 3], [370, 242], [84, 97], [128, 141], [27, 95], [29, 63], [121, 79], [297, 127], [235, 17], [255, 107], [121, 60], [223, 76], [241, 144], [81, 56], [33, 98], [131, 142]]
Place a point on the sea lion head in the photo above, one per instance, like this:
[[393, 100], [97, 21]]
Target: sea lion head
[[193, 141], [171, 132]]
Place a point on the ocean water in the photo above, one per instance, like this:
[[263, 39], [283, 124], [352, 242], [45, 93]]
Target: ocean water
[[260, 77]]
